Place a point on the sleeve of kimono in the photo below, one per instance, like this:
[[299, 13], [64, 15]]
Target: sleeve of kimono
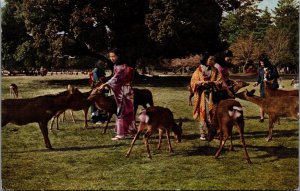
[[194, 80], [117, 80]]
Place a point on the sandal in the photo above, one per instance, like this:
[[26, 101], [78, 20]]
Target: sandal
[[116, 138]]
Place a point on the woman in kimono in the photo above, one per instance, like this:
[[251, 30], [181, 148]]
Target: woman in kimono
[[120, 84], [202, 79]]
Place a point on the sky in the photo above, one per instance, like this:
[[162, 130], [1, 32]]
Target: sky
[[271, 4]]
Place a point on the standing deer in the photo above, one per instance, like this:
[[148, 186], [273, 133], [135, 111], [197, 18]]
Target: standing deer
[[78, 104], [157, 118], [227, 113], [275, 107], [13, 90], [38, 109]]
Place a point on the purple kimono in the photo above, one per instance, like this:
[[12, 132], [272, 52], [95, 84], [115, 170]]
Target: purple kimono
[[120, 84]]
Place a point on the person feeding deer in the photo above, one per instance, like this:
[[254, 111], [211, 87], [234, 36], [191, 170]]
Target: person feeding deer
[[203, 78], [267, 72], [120, 84]]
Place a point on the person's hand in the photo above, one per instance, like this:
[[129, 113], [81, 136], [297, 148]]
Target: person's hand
[[102, 86]]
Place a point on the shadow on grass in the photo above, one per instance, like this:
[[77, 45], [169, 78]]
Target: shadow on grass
[[73, 148], [198, 151], [280, 152], [276, 134]]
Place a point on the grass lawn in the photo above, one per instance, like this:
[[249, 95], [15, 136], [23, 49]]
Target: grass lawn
[[86, 159]]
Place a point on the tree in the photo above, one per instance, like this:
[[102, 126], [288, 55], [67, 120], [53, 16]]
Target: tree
[[287, 19], [241, 21], [276, 44], [54, 29], [245, 49]]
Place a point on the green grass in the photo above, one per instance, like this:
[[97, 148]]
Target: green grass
[[86, 159]]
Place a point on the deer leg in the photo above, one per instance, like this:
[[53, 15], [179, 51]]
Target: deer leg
[[140, 129], [241, 132], [222, 143], [230, 134], [169, 142], [72, 116], [271, 125], [86, 110], [159, 138], [57, 122], [108, 121], [44, 129], [52, 120], [132, 143], [146, 137]]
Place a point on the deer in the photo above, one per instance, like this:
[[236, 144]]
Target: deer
[[157, 118], [227, 113], [275, 107], [79, 104], [38, 109], [142, 97], [107, 103], [13, 90], [269, 92], [236, 87]]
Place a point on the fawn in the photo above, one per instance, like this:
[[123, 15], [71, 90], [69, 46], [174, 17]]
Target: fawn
[[13, 90]]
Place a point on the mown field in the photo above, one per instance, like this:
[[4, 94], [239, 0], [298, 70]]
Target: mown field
[[86, 159]]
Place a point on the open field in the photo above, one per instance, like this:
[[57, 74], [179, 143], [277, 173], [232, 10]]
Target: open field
[[86, 159]]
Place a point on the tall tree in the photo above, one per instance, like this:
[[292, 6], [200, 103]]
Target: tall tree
[[240, 21], [287, 19]]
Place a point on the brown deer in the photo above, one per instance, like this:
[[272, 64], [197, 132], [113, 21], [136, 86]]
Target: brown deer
[[79, 104], [269, 92], [228, 113], [38, 109], [275, 107], [142, 97], [236, 87], [13, 90], [107, 103], [157, 118]]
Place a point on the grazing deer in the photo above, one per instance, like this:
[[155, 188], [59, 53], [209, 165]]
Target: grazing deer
[[38, 109], [13, 90], [275, 107], [227, 113], [157, 118]]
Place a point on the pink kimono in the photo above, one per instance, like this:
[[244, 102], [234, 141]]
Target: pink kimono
[[120, 84]]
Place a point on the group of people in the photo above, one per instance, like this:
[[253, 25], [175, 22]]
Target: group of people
[[213, 71]]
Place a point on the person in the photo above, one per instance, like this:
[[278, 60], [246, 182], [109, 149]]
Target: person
[[97, 76], [223, 63], [266, 72], [120, 84], [204, 76]]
